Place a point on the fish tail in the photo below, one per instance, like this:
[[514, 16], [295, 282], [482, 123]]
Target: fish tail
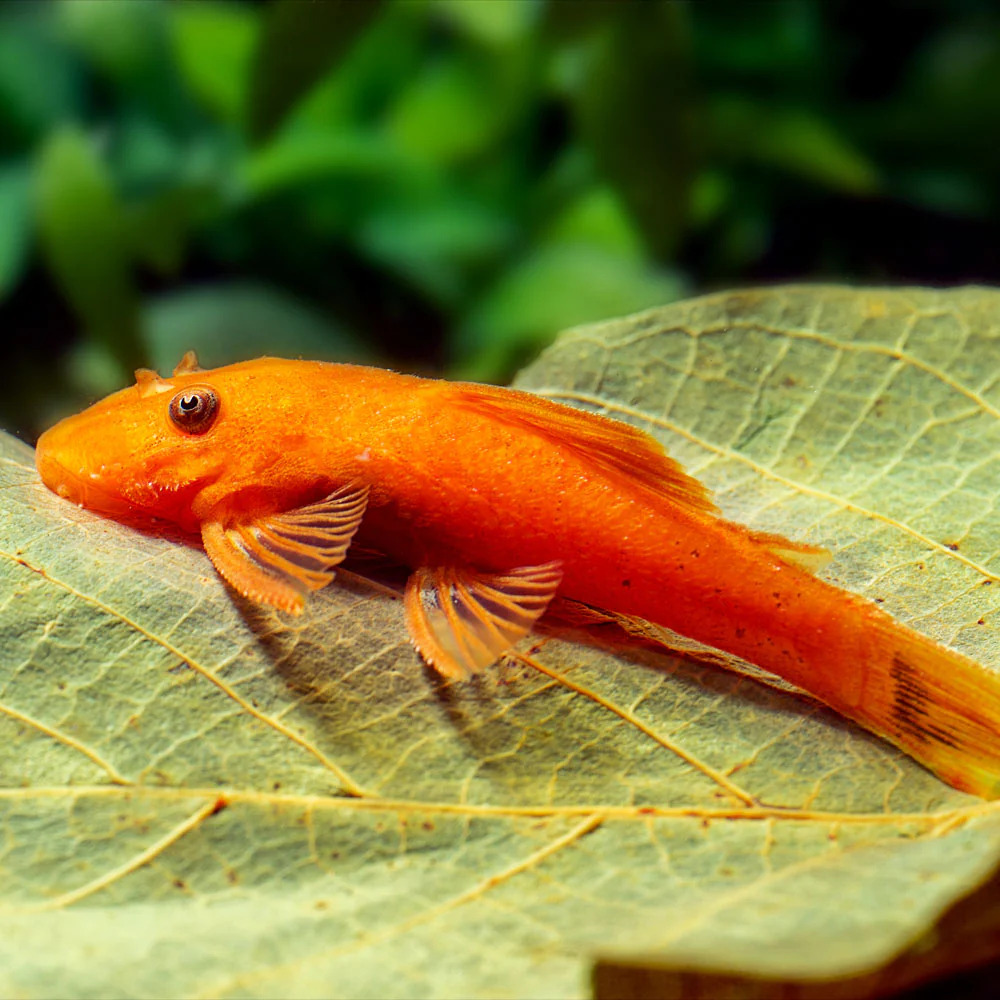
[[937, 705]]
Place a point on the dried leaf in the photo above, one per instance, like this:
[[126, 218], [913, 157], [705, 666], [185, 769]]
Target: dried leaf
[[176, 764]]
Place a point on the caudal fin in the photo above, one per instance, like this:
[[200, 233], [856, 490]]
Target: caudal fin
[[939, 706]]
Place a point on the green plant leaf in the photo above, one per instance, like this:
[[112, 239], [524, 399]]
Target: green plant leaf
[[157, 228], [555, 286], [449, 113], [236, 321], [298, 43], [127, 42], [436, 241], [174, 762], [639, 115], [214, 45], [304, 157], [15, 224], [83, 234], [496, 25], [598, 219], [40, 85], [795, 140], [369, 75]]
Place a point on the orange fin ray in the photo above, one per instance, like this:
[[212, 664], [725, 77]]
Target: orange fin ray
[[939, 706], [278, 559], [614, 447], [810, 558], [575, 614], [462, 620]]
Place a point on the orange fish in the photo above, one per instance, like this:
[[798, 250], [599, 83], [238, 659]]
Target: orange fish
[[500, 500]]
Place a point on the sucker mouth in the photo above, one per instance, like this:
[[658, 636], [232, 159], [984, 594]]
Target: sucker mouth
[[80, 489]]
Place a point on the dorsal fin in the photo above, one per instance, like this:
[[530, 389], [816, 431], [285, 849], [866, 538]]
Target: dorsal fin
[[188, 364], [611, 445], [148, 383]]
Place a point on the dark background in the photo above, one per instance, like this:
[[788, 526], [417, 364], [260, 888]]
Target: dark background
[[441, 186]]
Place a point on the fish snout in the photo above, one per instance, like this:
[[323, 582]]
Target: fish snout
[[54, 459], [54, 474]]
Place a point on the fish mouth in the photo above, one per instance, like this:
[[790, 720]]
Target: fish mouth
[[86, 490]]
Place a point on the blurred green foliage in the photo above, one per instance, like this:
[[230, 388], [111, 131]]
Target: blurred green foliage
[[444, 184]]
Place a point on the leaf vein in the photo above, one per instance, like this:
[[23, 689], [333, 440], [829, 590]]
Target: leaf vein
[[349, 785]]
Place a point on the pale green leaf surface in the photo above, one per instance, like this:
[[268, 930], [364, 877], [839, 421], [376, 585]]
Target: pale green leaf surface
[[508, 830]]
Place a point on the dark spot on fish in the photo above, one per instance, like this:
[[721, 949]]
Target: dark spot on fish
[[740, 632], [909, 707], [626, 583]]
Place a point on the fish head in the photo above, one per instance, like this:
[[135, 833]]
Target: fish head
[[175, 448]]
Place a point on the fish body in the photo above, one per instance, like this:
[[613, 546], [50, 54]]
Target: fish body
[[499, 501]]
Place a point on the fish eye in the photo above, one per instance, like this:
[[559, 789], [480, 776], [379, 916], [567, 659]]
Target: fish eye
[[194, 409]]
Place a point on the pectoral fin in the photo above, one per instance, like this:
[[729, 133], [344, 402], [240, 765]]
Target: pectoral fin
[[462, 620], [278, 559]]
